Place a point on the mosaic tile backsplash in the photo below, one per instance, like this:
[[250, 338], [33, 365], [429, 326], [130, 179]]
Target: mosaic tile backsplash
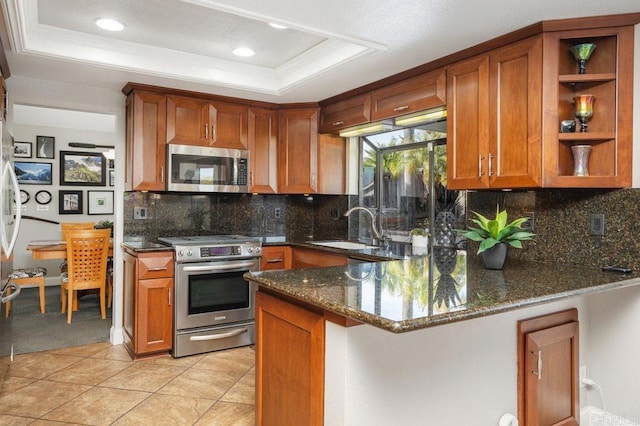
[[171, 214], [561, 222]]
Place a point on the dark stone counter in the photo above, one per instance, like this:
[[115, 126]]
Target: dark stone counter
[[415, 293], [145, 246]]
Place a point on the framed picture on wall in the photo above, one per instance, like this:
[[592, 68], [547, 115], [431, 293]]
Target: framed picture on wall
[[33, 173], [22, 149], [82, 168], [100, 202], [70, 202], [45, 147]]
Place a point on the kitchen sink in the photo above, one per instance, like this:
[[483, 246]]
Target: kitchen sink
[[346, 245]]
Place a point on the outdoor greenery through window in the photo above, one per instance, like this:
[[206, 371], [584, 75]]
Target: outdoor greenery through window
[[403, 174]]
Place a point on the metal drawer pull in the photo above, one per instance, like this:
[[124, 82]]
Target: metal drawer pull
[[275, 260], [163, 268], [219, 336], [337, 123], [401, 108]]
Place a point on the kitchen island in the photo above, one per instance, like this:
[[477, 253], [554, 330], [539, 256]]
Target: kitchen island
[[427, 340]]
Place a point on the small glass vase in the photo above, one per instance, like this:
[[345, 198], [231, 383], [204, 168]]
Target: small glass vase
[[581, 159]]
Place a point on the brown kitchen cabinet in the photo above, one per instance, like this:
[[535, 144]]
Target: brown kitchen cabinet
[[548, 366], [145, 142], [494, 118], [414, 94], [298, 151], [290, 346], [263, 148], [609, 77], [148, 303], [193, 121], [275, 257], [312, 258], [345, 113]]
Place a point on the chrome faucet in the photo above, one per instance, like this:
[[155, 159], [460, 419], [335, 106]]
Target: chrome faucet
[[378, 233]]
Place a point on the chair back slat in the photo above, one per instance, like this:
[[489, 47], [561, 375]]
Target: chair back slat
[[67, 226], [87, 252]]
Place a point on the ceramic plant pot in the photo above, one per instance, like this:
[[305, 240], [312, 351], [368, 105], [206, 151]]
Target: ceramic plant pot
[[495, 257]]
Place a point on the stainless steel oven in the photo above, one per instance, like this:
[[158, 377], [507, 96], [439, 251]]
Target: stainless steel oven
[[214, 305]]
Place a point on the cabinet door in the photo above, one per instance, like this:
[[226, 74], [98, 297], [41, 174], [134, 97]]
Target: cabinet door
[[345, 113], [228, 126], [332, 164], [146, 148], [263, 151], [310, 258], [298, 151], [290, 349], [552, 363], [187, 121], [414, 94], [275, 257], [515, 115], [154, 315], [468, 124]]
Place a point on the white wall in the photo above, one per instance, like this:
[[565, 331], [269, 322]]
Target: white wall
[[36, 92]]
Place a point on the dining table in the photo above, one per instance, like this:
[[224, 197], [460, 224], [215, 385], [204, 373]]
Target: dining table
[[53, 249]]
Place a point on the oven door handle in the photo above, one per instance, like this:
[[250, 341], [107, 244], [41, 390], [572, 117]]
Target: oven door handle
[[219, 336], [222, 267]]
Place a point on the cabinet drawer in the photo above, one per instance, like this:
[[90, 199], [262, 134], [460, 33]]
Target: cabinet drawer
[[275, 258], [155, 265], [345, 113], [414, 94]]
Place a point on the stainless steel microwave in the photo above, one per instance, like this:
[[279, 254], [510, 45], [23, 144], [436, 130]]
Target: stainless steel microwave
[[205, 169]]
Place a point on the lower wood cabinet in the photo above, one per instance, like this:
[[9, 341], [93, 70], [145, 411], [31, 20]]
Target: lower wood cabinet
[[310, 258], [275, 257], [148, 302], [290, 349], [548, 368]]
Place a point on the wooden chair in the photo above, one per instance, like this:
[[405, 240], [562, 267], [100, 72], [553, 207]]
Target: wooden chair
[[87, 252], [67, 226], [26, 276]]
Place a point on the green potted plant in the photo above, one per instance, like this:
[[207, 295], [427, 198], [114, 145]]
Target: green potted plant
[[104, 224], [420, 236], [495, 236]]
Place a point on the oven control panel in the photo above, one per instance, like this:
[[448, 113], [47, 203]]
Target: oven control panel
[[192, 253]]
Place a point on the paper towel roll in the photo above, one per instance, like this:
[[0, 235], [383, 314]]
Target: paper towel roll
[[508, 419]]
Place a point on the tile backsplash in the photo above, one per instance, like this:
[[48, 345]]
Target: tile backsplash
[[173, 214], [562, 219]]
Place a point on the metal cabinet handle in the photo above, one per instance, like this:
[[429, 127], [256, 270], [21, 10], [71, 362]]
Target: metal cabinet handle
[[161, 174], [480, 158], [169, 294], [213, 132], [401, 108], [275, 260], [491, 156], [539, 372], [337, 123], [206, 131], [313, 180], [219, 336], [251, 178]]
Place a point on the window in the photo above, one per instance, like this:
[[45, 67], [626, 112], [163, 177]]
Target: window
[[403, 175]]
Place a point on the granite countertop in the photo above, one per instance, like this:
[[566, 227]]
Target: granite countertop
[[415, 293], [395, 250], [145, 246]]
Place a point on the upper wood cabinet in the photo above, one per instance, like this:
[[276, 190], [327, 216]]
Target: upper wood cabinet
[[494, 118], [413, 94], [192, 121], [345, 113], [298, 151], [263, 149], [145, 142], [609, 78]]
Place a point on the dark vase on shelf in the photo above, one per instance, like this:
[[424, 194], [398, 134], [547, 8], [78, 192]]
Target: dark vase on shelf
[[495, 257]]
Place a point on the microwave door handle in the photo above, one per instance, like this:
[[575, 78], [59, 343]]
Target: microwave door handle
[[221, 267]]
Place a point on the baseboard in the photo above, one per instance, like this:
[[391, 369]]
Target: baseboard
[[116, 336]]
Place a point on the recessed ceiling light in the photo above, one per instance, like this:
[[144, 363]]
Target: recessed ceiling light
[[277, 26], [243, 51], [109, 24]]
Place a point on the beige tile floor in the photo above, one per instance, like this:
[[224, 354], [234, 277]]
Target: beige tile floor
[[98, 384]]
